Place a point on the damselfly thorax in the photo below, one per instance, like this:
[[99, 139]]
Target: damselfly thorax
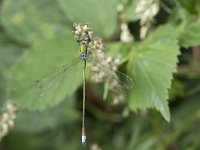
[[84, 46], [83, 52]]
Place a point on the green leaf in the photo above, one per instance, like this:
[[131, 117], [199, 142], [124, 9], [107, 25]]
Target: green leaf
[[102, 15], [2, 87], [188, 109], [42, 59], [64, 113], [192, 6], [153, 64], [29, 21], [9, 51], [189, 35]]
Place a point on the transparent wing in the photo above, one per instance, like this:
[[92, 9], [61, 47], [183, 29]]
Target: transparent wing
[[51, 81], [118, 82]]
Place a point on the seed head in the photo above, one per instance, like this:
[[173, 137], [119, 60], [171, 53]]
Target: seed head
[[118, 99], [83, 33], [7, 118], [147, 9]]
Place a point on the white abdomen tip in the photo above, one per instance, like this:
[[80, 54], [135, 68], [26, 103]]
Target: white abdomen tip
[[83, 139]]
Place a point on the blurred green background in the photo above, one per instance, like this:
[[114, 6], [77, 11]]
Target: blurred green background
[[162, 110]]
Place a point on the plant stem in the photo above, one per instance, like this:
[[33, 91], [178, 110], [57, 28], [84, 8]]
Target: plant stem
[[196, 54]]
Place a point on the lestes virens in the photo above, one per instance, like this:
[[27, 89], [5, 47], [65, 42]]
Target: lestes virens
[[115, 80]]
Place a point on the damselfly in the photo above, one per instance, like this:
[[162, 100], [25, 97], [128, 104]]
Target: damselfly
[[116, 81]]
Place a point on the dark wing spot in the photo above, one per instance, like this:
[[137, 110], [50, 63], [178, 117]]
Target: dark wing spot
[[37, 81]]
